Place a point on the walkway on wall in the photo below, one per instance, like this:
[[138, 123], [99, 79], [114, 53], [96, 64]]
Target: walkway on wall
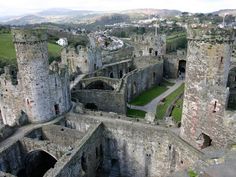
[[76, 81], [22, 131], [151, 106]]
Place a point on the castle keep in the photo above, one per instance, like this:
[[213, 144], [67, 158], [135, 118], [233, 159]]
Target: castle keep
[[38, 92]]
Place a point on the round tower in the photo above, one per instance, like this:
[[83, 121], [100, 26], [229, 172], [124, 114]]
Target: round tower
[[205, 97], [32, 58]]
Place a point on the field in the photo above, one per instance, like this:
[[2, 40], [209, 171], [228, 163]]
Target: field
[[177, 111], [162, 108], [8, 54]]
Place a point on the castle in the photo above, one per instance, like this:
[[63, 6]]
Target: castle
[[89, 143]]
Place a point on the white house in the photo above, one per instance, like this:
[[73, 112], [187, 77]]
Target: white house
[[62, 42]]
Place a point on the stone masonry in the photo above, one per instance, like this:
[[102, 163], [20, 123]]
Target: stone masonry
[[206, 94]]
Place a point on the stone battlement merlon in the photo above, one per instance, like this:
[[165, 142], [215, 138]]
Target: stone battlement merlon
[[29, 36], [210, 34]]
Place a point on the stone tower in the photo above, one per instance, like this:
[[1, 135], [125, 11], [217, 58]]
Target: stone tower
[[205, 98], [32, 58]]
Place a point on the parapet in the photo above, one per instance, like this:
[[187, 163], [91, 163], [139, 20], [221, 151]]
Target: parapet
[[29, 35], [210, 34]]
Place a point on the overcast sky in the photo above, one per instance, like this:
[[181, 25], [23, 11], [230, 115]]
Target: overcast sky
[[16, 7]]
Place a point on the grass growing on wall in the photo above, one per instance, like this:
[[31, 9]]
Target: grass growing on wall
[[135, 113], [162, 108], [147, 96], [8, 54]]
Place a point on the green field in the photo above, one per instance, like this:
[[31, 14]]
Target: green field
[[147, 96], [177, 111], [162, 108], [8, 54], [135, 113]]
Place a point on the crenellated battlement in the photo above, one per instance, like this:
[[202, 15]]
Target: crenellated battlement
[[210, 34], [29, 35]]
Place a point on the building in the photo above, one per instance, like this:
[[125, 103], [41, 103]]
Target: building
[[62, 42]]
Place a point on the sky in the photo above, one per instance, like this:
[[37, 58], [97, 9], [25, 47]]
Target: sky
[[18, 7]]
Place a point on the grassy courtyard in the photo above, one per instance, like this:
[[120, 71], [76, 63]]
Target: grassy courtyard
[[162, 108], [147, 96], [135, 113], [8, 54], [177, 111]]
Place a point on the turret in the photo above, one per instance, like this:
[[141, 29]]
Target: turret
[[205, 97]]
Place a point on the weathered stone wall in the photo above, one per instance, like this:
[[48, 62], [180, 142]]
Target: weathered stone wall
[[10, 110], [114, 70], [148, 74], [82, 59], [140, 149], [171, 63], [205, 99], [85, 158], [126, 52], [140, 80], [105, 100], [11, 158], [60, 93], [32, 59], [149, 45]]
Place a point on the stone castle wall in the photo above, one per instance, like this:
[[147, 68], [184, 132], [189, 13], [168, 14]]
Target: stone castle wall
[[143, 79], [205, 99], [149, 45], [126, 52], [82, 59], [112, 94], [138, 149], [171, 63]]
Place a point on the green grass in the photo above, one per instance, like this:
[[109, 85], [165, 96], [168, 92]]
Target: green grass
[[191, 173], [7, 50], [8, 54], [177, 111], [54, 50], [162, 108], [135, 113], [148, 95]]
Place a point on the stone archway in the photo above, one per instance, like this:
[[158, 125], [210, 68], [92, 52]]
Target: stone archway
[[182, 69], [36, 164]]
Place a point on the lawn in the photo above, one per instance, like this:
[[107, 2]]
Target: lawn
[[135, 113], [8, 54], [54, 50], [162, 108], [147, 96], [177, 111], [7, 50]]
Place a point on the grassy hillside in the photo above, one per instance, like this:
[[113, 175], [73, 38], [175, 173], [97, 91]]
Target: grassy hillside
[[8, 54]]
